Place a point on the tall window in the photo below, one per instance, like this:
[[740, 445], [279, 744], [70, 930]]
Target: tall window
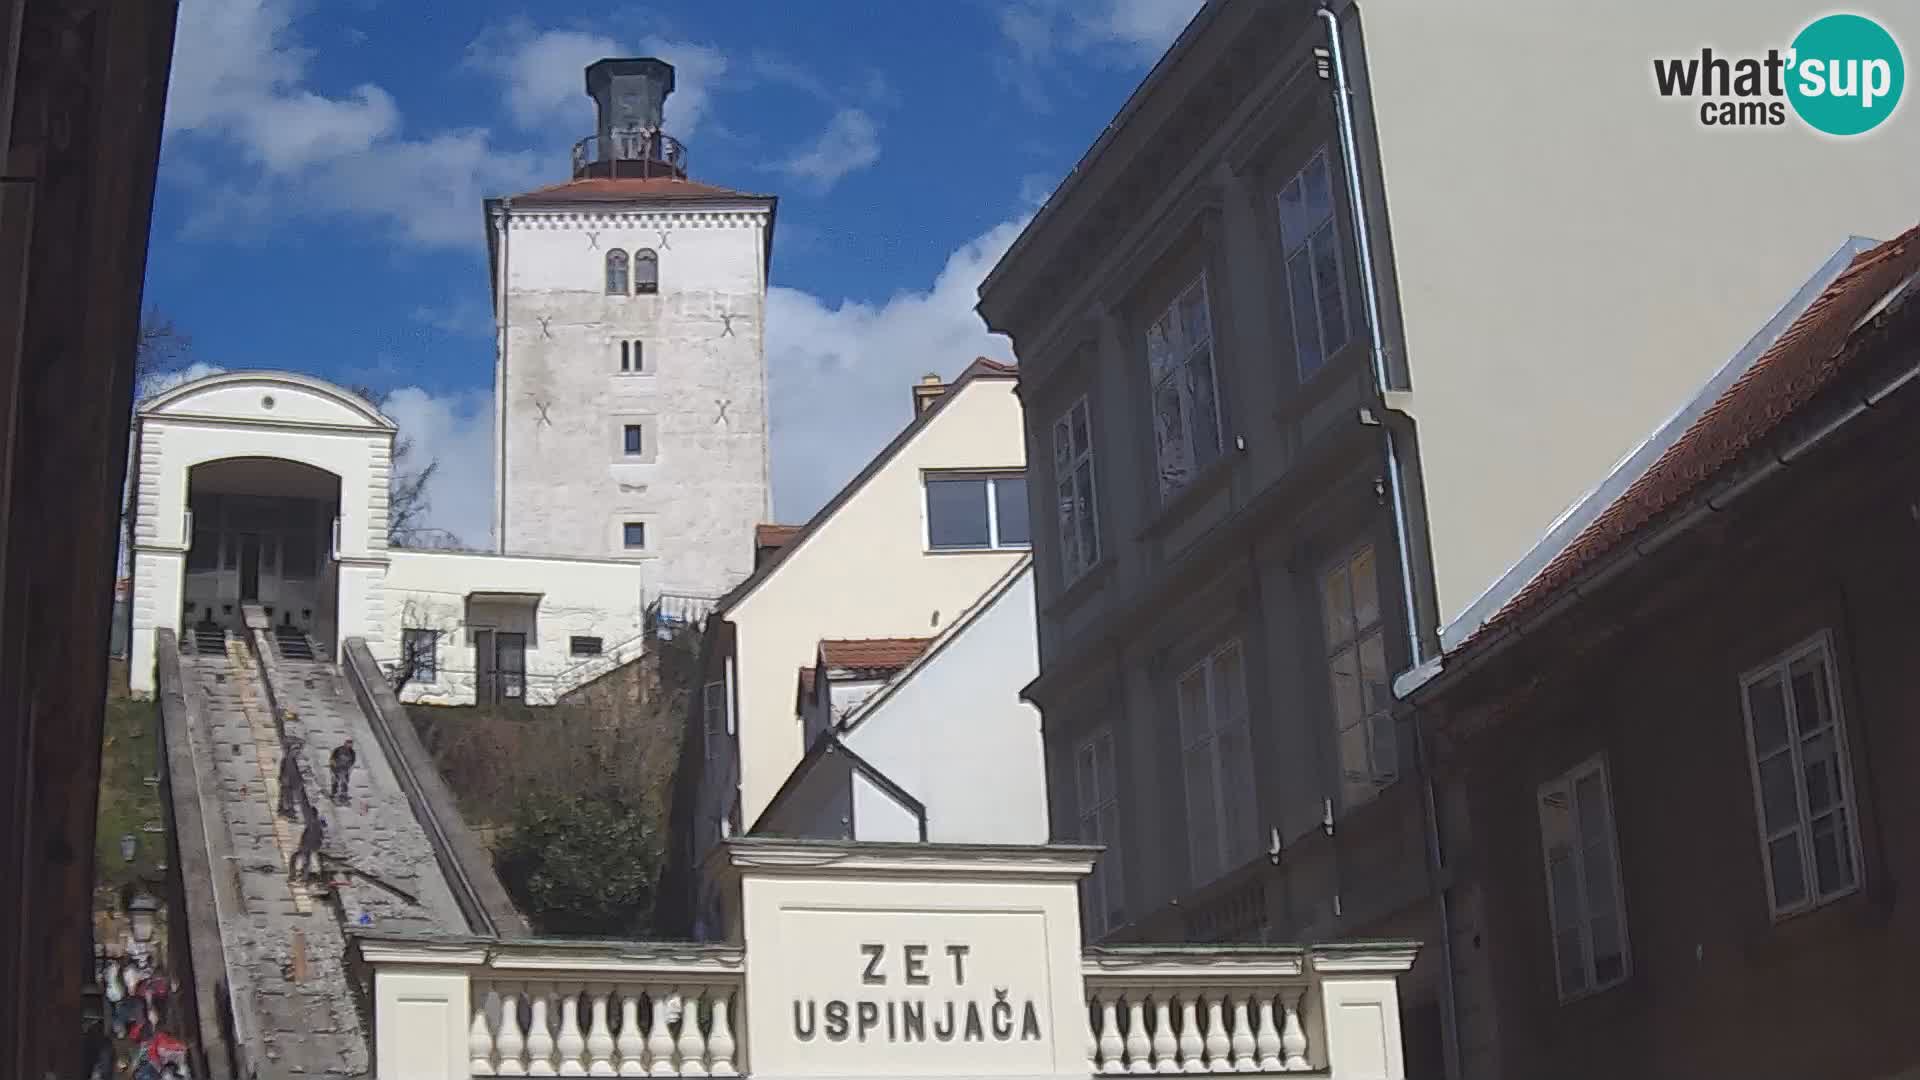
[[1186, 410], [1357, 673], [1583, 881], [1802, 785], [713, 718], [977, 510], [616, 273], [1073, 475], [646, 271], [1316, 287], [633, 440], [1097, 792], [633, 356], [420, 654], [1216, 757]]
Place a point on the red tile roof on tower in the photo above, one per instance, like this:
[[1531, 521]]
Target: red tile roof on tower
[[872, 654], [1803, 361], [627, 188], [775, 536]]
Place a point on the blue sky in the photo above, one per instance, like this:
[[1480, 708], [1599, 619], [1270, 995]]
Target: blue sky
[[324, 164]]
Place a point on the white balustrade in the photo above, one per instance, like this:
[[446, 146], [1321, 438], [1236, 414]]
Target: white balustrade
[[1200, 1010], [629, 1030]]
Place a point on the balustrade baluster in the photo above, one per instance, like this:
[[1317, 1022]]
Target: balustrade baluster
[[720, 1037], [1163, 1042], [659, 1042], [693, 1042], [1266, 1039], [1137, 1044], [1191, 1048], [1110, 1045], [1293, 1038], [539, 1036], [571, 1043], [1242, 1037], [631, 1045], [1093, 1037], [1217, 1045], [599, 1035], [479, 1038], [511, 1044]]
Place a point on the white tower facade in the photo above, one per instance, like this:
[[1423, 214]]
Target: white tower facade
[[631, 383]]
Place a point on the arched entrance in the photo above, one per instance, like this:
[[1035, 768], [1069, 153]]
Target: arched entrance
[[262, 533]]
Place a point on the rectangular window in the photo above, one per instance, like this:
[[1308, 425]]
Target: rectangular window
[[1584, 900], [1357, 674], [713, 718], [420, 654], [1316, 282], [1073, 477], [633, 535], [1186, 407], [1097, 791], [1802, 782], [631, 440], [977, 510], [1216, 758], [583, 646]]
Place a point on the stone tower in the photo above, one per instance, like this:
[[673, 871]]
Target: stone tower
[[630, 377]]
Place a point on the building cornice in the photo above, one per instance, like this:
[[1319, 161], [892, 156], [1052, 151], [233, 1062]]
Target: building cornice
[[537, 219]]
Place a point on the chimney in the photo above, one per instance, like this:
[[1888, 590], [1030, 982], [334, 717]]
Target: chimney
[[926, 392], [630, 97]]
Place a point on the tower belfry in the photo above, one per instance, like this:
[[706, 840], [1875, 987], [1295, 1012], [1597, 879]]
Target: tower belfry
[[630, 377]]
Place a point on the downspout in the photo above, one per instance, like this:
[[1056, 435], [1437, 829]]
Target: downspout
[[501, 326], [1396, 489]]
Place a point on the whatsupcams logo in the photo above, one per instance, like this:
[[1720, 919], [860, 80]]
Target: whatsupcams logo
[[1842, 75]]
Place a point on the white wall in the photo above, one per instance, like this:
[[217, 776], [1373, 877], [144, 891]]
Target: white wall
[[429, 589], [956, 735], [703, 483], [865, 572], [227, 416], [1575, 254]]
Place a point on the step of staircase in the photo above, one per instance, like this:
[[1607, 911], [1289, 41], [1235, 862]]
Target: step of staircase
[[292, 643]]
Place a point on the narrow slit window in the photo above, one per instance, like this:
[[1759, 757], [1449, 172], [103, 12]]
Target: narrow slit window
[[626, 356], [633, 440], [633, 535], [617, 273], [646, 271]]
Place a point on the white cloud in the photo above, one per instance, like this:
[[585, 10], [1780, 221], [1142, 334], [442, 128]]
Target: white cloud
[[1128, 31], [850, 143], [455, 430], [841, 372], [160, 382], [543, 83], [463, 317]]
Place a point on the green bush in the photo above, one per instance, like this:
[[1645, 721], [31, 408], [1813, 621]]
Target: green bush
[[582, 865]]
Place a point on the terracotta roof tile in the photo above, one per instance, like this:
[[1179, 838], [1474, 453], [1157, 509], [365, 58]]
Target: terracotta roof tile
[[872, 654], [620, 189], [1805, 359], [775, 536], [806, 682]]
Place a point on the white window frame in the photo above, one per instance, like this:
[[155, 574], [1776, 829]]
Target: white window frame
[[1818, 646], [1215, 847], [1174, 477], [713, 717], [1077, 502], [992, 478], [1378, 775], [1320, 230], [1564, 784], [1104, 894]]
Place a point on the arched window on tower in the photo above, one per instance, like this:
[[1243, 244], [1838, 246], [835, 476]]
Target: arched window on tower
[[616, 273], [646, 271]]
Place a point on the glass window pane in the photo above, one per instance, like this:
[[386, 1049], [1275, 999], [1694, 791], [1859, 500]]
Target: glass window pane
[[1010, 511], [616, 273], [1768, 708], [957, 513], [1195, 326], [1206, 409], [1306, 326], [1069, 531], [1832, 853], [1819, 767], [1194, 722], [1203, 832], [1609, 954], [1170, 438], [1081, 438], [1375, 690], [1573, 970], [1062, 448], [1564, 880], [1330, 289], [1336, 606], [1343, 668], [1083, 512], [1294, 225], [1810, 694], [1317, 187], [634, 534], [1356, 767], [1789, 874], [1366, 589], [1777, 802]]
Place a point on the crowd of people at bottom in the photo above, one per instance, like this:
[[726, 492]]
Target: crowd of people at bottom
[[138, 1017]]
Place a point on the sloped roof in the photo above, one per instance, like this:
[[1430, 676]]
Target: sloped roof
[[1802, 361], [773, 536], [871, 654], [980, 368], [630, 188]]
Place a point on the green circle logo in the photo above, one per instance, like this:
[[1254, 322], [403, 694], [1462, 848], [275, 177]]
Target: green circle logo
[[1846, 74]]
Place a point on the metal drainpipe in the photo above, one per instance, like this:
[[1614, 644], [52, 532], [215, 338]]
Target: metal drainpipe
[[1362, 239]]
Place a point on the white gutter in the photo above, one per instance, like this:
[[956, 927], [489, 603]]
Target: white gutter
[[501, 325]]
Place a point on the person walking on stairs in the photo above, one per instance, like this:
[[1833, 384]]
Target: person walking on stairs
[[342, 764], [306, 857], [290, 781]]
